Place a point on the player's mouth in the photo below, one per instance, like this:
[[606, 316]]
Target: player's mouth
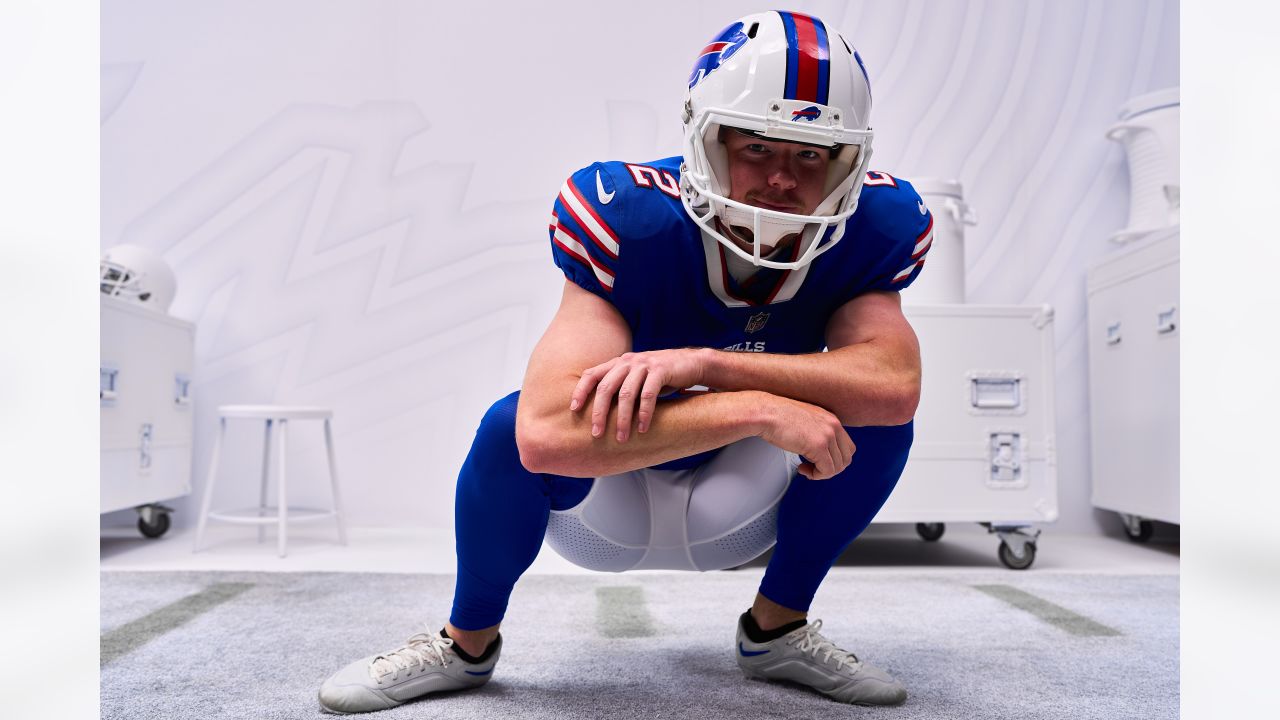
[[777, 206]]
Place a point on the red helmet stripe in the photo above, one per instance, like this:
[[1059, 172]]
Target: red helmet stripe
[[807, 37]]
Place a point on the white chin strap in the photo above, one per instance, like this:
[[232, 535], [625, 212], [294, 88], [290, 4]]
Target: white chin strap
[[765, 230]]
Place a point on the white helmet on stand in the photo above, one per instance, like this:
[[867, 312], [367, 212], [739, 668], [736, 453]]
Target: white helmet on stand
[[135, 273], [781, 76]]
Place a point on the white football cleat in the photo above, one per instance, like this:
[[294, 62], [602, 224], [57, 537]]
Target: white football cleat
[[426, 664], [804, 656]]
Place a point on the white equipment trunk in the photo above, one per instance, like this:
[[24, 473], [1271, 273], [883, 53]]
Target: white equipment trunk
[[1133, 378], [146, 361], [984, 431]]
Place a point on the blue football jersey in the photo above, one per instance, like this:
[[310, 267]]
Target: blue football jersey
[[619, 230]]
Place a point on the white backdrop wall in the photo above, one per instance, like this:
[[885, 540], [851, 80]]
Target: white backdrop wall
[[354, 195]]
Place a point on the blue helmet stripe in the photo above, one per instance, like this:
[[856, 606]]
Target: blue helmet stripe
[[824, 61], [793, 55], [863, 68]]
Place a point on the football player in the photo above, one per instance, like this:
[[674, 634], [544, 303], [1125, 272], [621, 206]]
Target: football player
[[684, 372]]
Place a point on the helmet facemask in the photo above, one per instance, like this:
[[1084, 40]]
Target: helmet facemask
[[706, 198], [136, 274]]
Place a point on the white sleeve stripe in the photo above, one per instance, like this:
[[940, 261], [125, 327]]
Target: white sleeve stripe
[[906, 272], [923, 245], [583, 216], [572, 246]]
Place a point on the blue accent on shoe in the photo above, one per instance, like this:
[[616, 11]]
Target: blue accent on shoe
[[749, 653], [486, 672]]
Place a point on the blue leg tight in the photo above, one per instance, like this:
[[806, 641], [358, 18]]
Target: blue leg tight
[[819, 518], [500, 516], [501, 513]]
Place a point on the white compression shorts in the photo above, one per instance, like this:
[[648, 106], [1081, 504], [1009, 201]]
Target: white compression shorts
[[718, 515]]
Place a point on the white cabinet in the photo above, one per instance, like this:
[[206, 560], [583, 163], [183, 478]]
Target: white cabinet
[[1134, 326], [145, 396], [984, 447]]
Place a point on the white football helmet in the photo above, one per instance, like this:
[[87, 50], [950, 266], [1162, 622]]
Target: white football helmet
[[781, 76], [135, 273]]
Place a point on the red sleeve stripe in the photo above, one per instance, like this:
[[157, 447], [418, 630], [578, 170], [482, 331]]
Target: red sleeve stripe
[[574, 249], [922, 247], [924, 240], [582, 212]]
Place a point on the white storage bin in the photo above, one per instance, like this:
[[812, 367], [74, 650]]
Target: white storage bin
[[943, 283], [1134, 329], [146, 422], [984, 446], [1149, 129]]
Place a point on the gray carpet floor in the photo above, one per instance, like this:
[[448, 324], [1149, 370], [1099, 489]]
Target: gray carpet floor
[[998, 644]]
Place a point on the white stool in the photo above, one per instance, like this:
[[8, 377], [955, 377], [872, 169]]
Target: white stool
[[262, 515]]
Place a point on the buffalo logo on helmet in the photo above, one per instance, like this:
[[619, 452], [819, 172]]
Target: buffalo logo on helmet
[[756, 322], [809, 114], [721, 48]]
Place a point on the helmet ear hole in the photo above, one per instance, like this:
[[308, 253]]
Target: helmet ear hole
[[751, 31]]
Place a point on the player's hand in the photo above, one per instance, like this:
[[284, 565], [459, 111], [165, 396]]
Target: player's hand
[[811, 431], [642, 375]]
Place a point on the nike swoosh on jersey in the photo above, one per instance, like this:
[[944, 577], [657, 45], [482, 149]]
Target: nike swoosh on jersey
[[748, 653], [923, 209], [605, 198]]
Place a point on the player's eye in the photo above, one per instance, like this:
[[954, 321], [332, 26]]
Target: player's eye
[[757, 148], [808, 155]]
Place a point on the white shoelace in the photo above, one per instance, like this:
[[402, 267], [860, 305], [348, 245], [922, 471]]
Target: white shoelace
[[808, 640], [420, 650]]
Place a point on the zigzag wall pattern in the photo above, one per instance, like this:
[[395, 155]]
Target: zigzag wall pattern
[[354, 206]]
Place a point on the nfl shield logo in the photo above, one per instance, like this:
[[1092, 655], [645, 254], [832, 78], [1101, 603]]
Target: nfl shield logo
[[757, 321]]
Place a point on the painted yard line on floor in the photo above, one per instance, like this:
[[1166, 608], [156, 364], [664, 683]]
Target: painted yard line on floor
[[621, 612], [1055, 615], [136, 633]]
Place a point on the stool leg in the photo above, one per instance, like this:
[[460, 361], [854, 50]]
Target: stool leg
[[283, 501], [333, 477], [266, 466], [208, 483]]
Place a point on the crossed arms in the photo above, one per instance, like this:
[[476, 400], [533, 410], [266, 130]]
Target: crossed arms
[[588, 406]]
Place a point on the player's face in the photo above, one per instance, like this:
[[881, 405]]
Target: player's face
[[775, 175]]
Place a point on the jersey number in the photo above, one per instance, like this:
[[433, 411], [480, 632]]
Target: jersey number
[[875, 177], [647, 177]]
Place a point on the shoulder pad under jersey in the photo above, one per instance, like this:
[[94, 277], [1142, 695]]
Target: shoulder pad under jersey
[[604, 206], [893, 211]]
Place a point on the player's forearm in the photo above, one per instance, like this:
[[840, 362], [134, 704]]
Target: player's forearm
[[868, 383], [560, 441]]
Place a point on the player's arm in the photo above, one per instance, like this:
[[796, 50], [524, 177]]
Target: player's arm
[[871, 372], [869, 376], [585, 332]]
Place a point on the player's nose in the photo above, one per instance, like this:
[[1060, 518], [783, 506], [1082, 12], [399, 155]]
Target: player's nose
[[782, 177]]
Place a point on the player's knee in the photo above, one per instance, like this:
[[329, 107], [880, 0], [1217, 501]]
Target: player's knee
[[496, 436], [502, 412]]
